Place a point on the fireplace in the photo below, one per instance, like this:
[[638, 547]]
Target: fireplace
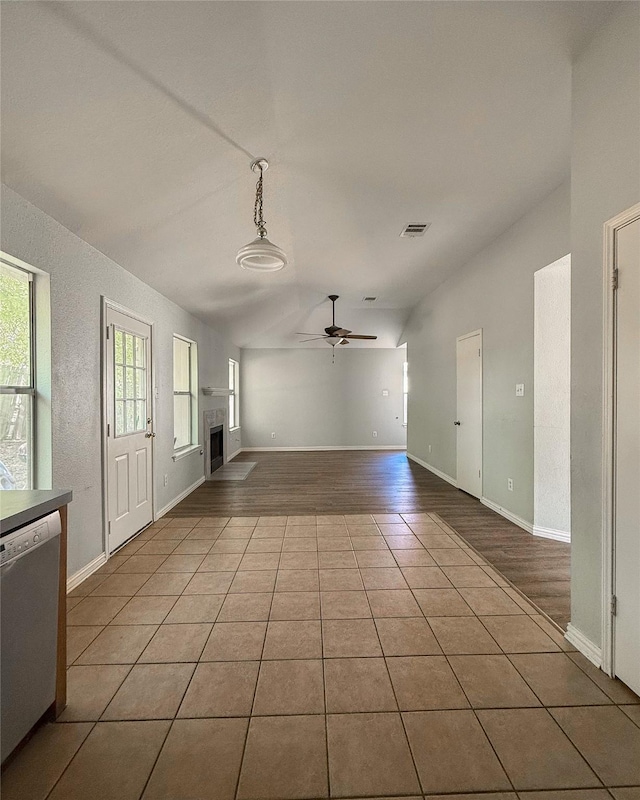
[[215, 439], [216, 451]]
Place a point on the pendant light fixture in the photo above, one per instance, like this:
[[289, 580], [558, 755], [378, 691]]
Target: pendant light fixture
[[260, 255]]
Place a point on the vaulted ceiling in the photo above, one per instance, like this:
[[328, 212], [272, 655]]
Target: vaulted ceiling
[[134, 123]]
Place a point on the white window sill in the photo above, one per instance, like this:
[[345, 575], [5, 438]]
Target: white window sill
[[186, 451], [233, 430]]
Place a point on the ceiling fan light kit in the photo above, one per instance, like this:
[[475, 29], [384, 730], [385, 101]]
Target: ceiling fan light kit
[[261, 255], [334, 334]]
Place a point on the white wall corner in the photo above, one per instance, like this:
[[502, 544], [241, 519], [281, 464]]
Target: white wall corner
[[435, 471], [504, 512], [550, 533], [82, 574], [584, 645], [179, 498], [234, 454]]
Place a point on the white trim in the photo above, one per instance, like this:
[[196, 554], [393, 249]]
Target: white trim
[[479, 333], [504, 512], [608, 440], [312, 449], [186, 451], [82, 574], [584, 645], [435, 471], [551, 533], [179, 498]]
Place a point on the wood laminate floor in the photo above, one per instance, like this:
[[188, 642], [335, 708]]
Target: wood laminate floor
[[365, 481]]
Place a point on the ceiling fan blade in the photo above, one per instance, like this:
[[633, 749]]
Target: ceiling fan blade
[[315, 338], [359, 336], [306, 333], [344, 341]]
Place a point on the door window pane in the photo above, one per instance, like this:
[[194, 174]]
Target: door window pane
[[130, 383]]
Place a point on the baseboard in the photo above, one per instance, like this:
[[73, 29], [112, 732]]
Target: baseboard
[[179, 498], [550, 533], [504, 512], [322, 447], [585, 646], [435, 471], [82, 574]]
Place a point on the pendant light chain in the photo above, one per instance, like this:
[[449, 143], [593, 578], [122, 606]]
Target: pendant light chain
[[258, 221]]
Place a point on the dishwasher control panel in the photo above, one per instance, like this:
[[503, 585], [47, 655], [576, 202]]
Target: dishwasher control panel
[[26, 538]]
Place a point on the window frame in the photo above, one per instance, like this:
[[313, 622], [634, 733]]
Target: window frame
[[192, 393], [28, 390], [234, 395]]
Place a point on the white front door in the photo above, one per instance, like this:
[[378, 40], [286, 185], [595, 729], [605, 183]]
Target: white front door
[[129, 426], [468, 419], [626, 631]]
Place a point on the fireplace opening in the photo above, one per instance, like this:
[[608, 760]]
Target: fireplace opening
[[216, 455]]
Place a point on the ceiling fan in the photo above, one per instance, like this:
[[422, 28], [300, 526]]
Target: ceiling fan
[[334, 334]]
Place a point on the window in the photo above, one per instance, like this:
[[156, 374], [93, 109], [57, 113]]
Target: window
[[405, 393], [234, 398], [185, 393], [17, 379]]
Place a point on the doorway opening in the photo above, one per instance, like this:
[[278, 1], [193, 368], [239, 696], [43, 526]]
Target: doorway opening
[[468, 420], [552, 401]]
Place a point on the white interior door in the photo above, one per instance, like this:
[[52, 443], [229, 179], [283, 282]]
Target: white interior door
[[468, 420], [129, 426], [626, 629]]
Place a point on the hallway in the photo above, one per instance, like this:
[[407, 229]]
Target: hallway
[[321, 656]]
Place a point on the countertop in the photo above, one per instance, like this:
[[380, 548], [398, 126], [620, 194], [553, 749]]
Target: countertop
[[19, 507]]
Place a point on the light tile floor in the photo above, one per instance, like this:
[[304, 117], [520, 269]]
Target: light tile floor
[[308, 657]]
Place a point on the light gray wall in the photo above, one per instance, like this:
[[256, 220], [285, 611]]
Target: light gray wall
[[493, 291], [80, 275], [311, 402], [605, 180], [552, 399]]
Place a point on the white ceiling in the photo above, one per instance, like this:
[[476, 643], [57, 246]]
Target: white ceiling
[[133, 124]]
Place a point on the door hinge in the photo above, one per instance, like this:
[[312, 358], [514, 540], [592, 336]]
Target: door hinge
[[615, 279], [479, 475], [108, 429], [478, 352], [108, 332], [614, 605]]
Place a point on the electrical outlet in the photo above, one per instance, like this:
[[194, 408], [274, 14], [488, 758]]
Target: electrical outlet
[[273, 434], [374, 434], [510, 484], [429, 448], [385, 393], [166, 480], [519, 389]]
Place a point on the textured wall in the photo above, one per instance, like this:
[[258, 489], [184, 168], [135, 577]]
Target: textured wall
[[80, 275], [605, 180], [494, 291], [311, 402], [552, 397]]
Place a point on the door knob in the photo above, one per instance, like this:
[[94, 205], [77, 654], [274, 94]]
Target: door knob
[[457, 422], [150, 435]]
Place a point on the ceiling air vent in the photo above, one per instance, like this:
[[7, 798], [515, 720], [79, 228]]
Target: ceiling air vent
[[369, 299], [415, 229]]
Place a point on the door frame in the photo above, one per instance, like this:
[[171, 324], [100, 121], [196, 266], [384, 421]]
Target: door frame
[[105, 305], [464, 336], [611, 226]]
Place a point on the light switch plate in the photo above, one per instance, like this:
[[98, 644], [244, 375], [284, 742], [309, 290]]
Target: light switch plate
[[519, 389], [385, 393]]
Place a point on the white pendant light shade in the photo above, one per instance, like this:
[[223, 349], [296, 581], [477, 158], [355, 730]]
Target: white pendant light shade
[[333, 340], [261, 255]]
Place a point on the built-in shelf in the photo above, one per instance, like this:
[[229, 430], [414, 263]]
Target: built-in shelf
[[211, 391]]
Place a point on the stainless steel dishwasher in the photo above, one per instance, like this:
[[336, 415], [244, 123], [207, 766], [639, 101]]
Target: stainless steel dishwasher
[[29, 569]]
